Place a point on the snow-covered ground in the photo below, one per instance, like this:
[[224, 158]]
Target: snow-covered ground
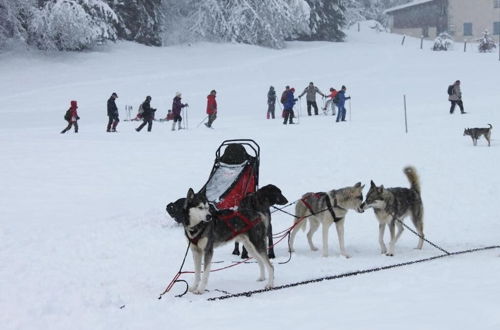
[[83, 229]]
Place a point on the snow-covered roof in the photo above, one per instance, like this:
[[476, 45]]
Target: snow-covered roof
[[410, 4]]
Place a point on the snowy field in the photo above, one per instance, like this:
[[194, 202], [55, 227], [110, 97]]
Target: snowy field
[[83, 229]]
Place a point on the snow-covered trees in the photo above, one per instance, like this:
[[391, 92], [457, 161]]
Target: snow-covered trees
[[443, 42], [14, 18], [486, 43], [139, 20], [71, 24], [326, 19], [247, 21], [79, 24]]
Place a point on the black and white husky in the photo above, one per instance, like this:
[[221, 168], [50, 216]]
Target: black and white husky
[[392, 205], [326, 208], [207, 229]]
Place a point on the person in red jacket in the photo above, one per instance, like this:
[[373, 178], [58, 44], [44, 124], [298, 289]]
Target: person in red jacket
[[331, 96], [211, 108], [72, 118]]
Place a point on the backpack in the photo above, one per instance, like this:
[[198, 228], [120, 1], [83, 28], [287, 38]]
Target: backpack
[[336, 98], [67, 115], [283, 97], [450, 90]]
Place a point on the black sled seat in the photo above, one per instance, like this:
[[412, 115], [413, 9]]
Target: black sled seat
[[234, 175]]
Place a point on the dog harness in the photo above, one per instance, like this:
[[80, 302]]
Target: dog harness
[[237, 222], [234, 220], [329, 206]]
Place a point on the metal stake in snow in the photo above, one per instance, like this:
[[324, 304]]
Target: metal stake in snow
[[465, 45], [421, 42], [403, 41], [406, 120]]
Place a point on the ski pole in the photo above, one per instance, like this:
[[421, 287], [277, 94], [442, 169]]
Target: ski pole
[[201, 122], [300, 111], [187, 122]]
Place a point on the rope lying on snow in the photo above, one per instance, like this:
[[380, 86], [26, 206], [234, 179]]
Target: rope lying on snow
[[354, 273]]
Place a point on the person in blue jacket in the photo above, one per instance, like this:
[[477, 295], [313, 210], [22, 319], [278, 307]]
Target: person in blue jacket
[[341, 98], [288, 106]]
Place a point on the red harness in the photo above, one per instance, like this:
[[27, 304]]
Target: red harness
[[230, 218], [233, 216]]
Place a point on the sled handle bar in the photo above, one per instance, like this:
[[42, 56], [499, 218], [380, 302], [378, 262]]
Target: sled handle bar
[[246, 142]]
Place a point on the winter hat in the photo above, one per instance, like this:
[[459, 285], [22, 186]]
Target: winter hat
[[114, 94], [148, 97], [213, 91], [311, 83], [343, 87], [332, 89], [292, 89], [178, 94], [73, 104]]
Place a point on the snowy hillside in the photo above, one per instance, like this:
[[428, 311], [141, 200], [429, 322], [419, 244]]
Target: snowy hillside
[[83, 229]]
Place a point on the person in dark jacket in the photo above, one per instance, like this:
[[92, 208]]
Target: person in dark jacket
[[147, 114], [288, 106], [112, 113], [310, 92], [72, 118], [456, 97], [271, 102], [211, 108], [341, 104], [177, 109]]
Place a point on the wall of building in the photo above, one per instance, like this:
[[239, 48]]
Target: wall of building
[[426, 19], [416, 32], [481, 13]]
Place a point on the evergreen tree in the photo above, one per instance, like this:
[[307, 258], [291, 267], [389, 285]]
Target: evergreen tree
[[14, 19], [326, 20], [245, 21], [139, 20], [71, 24]]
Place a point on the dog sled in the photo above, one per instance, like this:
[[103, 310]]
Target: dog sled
[[234, 175]]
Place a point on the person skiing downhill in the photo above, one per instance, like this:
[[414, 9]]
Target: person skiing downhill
[[211, 108], [112, 114], [72, 117]]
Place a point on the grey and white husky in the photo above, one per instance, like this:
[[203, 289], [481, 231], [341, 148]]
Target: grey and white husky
[[326, 208], [207, 229], [392, 205], [475, 133]]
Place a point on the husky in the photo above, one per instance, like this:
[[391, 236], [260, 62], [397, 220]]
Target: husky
[[327, 208], [207, 229], [392, 205], [261, 201], [475, 134]]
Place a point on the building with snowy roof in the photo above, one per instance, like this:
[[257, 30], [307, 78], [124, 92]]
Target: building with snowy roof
[[462, 19]]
